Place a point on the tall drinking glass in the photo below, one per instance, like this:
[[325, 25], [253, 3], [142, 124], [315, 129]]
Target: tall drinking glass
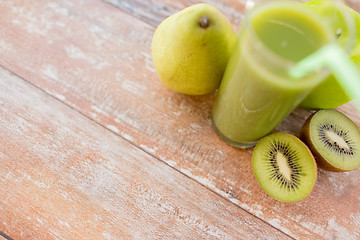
[[257, 92]]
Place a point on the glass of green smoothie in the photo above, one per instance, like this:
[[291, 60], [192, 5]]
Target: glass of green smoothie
[[257, 91]]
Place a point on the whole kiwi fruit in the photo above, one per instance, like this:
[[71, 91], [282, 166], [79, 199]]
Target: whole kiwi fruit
[[333, 139], [284, 167]]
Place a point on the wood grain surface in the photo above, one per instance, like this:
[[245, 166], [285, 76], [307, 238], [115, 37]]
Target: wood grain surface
[[67, 177], [94, 146]]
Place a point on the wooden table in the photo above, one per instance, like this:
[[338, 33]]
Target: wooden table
[[93, 146]]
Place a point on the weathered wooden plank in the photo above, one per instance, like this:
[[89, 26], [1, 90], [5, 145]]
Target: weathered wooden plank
[[155, 11], [353, 4], [66, 177], [97, 59]]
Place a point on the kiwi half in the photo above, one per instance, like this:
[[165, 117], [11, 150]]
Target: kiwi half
[[333, 139], [284, 167]]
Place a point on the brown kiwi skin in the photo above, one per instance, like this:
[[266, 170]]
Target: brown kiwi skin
[[306, 138]]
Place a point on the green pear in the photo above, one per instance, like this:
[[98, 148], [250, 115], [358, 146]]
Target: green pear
[[330, 94], [191, 48]]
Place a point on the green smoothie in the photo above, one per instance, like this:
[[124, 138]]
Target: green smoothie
[[256, 92]]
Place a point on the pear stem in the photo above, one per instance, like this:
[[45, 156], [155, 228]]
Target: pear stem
[[204, 21]]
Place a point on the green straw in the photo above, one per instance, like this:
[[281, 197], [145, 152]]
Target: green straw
[[339, 63]]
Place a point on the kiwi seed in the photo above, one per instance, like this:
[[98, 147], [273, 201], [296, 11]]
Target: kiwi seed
[[284, 167], [333, 139]]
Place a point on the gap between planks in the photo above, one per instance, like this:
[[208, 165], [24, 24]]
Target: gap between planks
[[3, 236]]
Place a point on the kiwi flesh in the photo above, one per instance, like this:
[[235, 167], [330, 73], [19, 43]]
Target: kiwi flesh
[[333, 139], [284, 167]]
